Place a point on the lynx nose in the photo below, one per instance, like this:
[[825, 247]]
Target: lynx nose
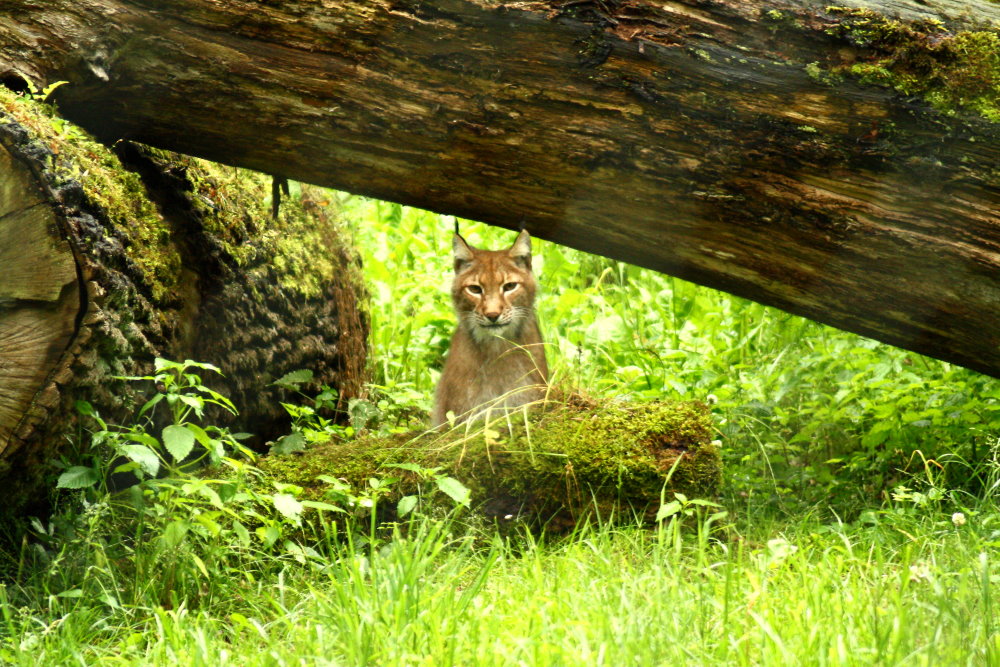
[[492, 317]]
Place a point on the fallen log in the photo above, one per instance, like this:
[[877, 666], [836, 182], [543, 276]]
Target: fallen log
[[834, 161], [110, 260], [565, 464]]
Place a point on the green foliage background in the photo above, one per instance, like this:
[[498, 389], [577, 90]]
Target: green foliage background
[[806, 413]]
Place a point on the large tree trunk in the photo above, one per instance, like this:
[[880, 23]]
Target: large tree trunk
[[109, 261], [823, 160]]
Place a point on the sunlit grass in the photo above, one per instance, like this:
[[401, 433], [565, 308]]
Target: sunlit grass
[[804, 411], [898, 588]]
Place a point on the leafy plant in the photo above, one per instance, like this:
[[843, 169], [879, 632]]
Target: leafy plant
[[389, 408], [184, 396]]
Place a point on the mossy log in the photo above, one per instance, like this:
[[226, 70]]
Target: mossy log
[[110, 259], [835, 159], [613, 458]]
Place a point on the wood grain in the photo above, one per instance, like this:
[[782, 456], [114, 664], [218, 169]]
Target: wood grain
[[684, 136]]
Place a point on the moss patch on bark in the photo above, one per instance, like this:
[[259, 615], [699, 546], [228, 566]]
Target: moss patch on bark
[[558, 466], [952, 71], [178, 258], [119, 195]]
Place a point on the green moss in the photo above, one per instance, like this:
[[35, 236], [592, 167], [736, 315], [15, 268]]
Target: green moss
[[565, 461], [236, 210], [112, 189], [953, 72], [235, 207]]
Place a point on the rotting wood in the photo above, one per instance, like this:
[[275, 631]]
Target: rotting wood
[[108, 260], [723, 142]]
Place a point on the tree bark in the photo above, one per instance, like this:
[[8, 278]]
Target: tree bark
[[577, 457], [828, 161], [112, 259]]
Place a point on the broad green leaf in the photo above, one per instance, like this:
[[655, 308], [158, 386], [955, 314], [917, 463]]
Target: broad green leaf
[[84, 408], [165, 364], [227, 491], [289, 507], [125, 468], [195, 402], [405, 505], [175, 532], [200, 435], [144, 456], [201, 364], [294, 379], [142, 438], [208, 521], [286, 444], [454, 489], [268, 535], [179, 441], [77, 477], [241, 533], [211, 495], [73, 593], [668, 510]]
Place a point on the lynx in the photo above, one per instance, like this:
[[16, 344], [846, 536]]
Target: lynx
[[496, 359]]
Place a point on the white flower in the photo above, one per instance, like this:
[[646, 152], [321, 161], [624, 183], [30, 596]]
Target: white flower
[[711, 399], [958, 519]]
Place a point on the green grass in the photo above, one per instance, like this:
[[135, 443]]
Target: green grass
[[846, 463], [897, 588]]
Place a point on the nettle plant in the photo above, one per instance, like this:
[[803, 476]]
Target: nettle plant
[[183, 444], [390, 408], [182, 500], [173, 491]]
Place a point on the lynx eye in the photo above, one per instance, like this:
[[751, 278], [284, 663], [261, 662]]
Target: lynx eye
[[509, 287], [474, 289]]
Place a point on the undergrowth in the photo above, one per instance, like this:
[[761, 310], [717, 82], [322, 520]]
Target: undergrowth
[[806, 413], [860, 522]]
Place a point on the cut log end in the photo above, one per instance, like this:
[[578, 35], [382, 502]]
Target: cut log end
[[39, 298]]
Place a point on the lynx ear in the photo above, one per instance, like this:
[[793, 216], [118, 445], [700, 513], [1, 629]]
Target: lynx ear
[[520, 252], [463, 253]]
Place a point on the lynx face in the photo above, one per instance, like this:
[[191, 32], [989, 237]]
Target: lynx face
[[494, 290]]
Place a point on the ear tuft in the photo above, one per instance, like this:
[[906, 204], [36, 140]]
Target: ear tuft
[[520, 252], [462, 251]]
